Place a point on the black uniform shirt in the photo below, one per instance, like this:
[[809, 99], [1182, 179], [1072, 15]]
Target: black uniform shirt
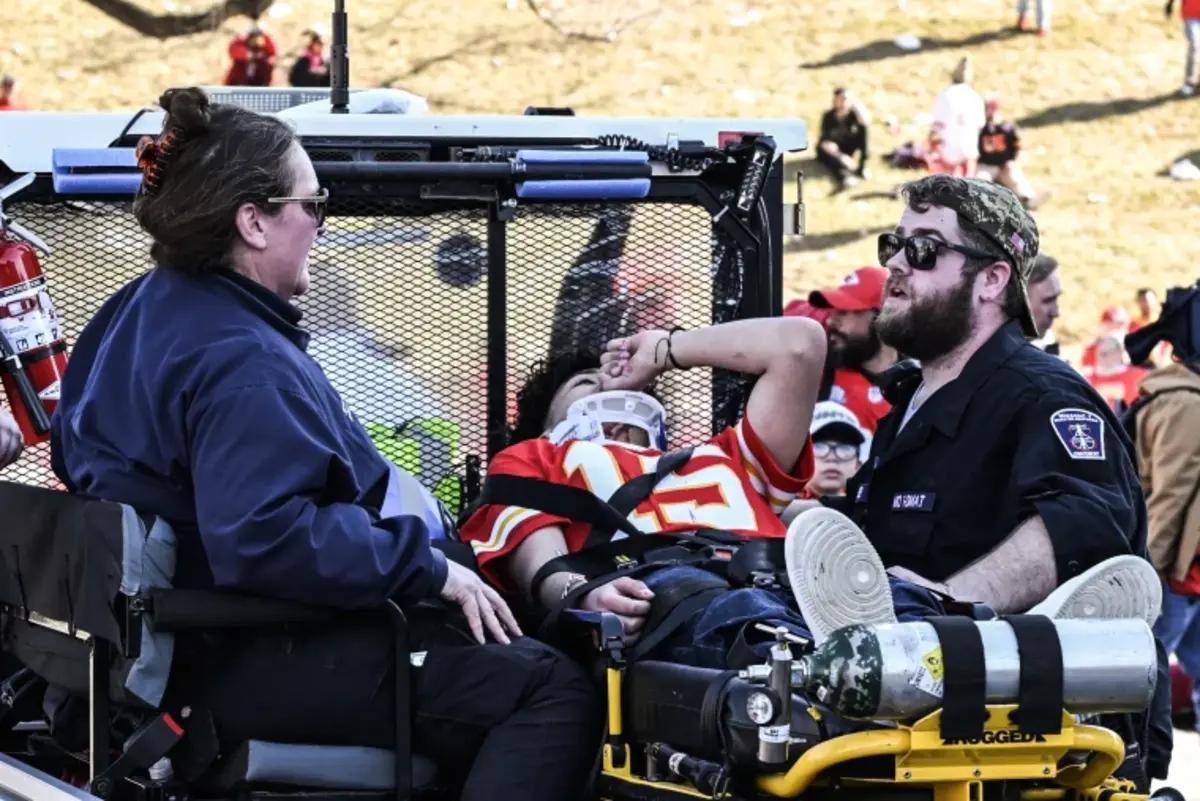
[[1017, 434]]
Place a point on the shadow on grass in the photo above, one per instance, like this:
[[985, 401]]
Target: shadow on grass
[[1193, 156], [1092, 110], [833, 239], [883, 49]]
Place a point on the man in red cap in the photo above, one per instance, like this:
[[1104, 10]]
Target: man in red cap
[[856, 354]]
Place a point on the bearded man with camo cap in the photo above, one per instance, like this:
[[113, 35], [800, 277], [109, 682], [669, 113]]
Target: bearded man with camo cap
[[999, 475]]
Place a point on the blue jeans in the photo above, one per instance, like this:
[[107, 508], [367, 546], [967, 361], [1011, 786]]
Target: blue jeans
[[1179, 630], [1043, 11], [1191, 32], [707, 638]]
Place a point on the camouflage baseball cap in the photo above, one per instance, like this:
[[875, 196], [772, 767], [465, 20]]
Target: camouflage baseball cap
[[996, 214]]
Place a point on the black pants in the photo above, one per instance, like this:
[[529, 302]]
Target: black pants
[[856, 146], [516, 721]]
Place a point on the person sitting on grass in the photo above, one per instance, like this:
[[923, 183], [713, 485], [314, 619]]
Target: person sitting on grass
[[843, 140]]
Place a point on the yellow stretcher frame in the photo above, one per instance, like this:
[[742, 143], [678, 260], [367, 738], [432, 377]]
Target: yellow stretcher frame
[[954, 771]]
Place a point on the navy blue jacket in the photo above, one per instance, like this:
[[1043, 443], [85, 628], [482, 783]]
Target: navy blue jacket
[[192, 398]]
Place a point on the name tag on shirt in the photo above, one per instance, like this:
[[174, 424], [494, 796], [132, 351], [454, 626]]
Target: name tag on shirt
[[913, 501]]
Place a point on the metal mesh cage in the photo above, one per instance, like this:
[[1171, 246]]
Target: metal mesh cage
[[399, 307], [266, 100]]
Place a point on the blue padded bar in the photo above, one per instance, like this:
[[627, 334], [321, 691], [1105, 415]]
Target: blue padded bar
[[96, 171], [615, 189], [65, 158], [583, 156], [98, 184]]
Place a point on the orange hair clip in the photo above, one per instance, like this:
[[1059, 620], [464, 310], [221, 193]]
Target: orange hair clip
[[152, 157]]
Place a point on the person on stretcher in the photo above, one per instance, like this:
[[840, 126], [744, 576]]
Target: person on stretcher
[[585, 423]]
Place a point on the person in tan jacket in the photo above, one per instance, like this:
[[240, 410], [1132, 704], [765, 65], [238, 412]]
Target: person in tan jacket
[[1168, 449]]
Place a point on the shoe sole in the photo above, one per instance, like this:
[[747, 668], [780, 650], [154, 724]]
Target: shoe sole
[[835, 573], [1120, 588]]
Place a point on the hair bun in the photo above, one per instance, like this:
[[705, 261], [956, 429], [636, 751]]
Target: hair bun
[[188, 111]]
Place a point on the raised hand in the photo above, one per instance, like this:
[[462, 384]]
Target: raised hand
[[633, 362]]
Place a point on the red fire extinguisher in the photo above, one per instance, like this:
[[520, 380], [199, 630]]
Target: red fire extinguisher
[[33, 354]]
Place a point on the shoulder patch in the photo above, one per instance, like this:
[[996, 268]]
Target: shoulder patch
[[1081, 432]]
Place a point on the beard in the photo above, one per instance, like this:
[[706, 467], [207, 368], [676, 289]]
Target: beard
[[853, 352], [932, 326]]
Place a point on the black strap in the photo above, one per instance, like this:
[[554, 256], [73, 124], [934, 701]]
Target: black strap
[[674, 619], [146, 746], [631, 494], [1040, 696], [964, 702], [562, 500]]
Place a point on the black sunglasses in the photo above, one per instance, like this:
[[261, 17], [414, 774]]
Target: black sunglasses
[[314, 205], [922, 251]]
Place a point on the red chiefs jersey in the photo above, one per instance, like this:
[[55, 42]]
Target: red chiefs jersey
[[855, 391], [730, 482]]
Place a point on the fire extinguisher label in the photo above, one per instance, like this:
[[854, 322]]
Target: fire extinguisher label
[[28, 319], [52, 392]]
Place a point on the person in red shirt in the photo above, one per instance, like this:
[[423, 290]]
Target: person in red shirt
[[1112, 375], [856, 354], [1114, 322], [253, 56], [582, 422], [7, 86]]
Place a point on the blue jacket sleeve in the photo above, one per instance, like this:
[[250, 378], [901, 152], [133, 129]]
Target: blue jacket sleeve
[[271, 483]]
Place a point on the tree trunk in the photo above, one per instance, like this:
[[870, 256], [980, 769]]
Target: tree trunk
[[164, 26]]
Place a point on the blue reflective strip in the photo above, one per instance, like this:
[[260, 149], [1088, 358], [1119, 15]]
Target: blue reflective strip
[[583, 156], [620, 188]]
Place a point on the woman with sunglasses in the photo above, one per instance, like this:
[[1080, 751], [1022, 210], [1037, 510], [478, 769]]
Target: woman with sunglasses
[[190, 397]]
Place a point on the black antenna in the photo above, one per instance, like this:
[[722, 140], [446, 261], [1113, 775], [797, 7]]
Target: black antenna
[[339, 76]]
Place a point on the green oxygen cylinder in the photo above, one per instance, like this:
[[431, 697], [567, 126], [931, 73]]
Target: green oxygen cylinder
[[895, 671]]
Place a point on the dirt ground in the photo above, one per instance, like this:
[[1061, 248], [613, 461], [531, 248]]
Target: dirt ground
[[1097, 98], [1185, 764]]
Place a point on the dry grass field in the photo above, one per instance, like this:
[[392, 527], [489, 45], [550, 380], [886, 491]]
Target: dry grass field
[[1101, 118]]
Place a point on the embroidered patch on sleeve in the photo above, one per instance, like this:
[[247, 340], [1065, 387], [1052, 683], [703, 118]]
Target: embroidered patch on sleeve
[[1081, 432]]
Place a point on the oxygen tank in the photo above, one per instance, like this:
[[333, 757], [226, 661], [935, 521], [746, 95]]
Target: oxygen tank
[[895, 672]]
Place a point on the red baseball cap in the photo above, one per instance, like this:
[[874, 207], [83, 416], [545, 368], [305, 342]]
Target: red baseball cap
[[1115, 315], [861, 290]]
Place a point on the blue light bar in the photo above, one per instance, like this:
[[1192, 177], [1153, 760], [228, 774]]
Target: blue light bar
[[96, 171]]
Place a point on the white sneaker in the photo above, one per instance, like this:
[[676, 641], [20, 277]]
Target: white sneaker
[[1188, 90], [835, 573], [1117, 588]]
